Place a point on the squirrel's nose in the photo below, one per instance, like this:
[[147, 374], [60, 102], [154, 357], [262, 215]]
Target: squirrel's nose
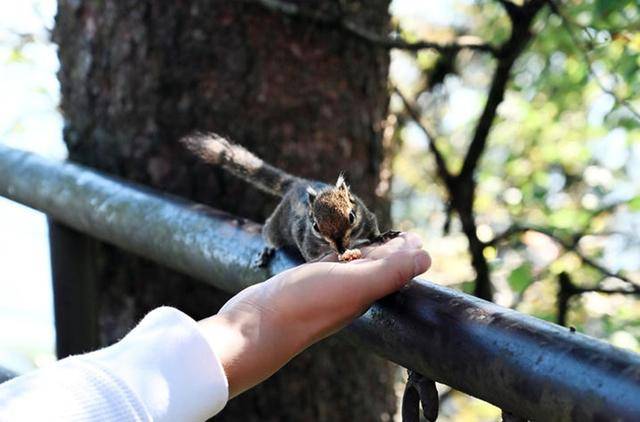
[[340, 247]]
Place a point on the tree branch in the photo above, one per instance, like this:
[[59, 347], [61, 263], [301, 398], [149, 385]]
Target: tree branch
[[511, 8], [568, 289], [461, 187], [441, 164], [635, 290], [571, 246], [519, 228], [479, 140], [521, 19], [580, 47], [462, 197], [353, 29]]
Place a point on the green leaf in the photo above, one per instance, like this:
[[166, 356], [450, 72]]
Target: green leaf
[[468, 286], [634, 203], [521, 277], [569, 218]]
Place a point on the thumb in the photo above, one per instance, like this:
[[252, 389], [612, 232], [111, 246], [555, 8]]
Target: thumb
[[384, 276]]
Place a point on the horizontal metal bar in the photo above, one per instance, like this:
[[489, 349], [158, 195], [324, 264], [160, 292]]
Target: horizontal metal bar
[[522, 364], [6, 374]]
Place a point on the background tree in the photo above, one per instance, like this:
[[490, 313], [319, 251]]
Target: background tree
[[137, 75], [534, 159], [547, 166]]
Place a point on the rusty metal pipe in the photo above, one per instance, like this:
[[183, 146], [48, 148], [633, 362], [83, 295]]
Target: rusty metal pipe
[[524, 365]]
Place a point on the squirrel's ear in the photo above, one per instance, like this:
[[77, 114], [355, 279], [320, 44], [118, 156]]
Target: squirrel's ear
[[311, 195], [340, 183]]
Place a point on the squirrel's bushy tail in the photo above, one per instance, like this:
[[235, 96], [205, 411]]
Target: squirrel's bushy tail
[[215, 149]]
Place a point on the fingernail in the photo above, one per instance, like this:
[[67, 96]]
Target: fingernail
[[421, 262], [415, 241]]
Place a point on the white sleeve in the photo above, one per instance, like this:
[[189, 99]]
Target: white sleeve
[[163, 370]]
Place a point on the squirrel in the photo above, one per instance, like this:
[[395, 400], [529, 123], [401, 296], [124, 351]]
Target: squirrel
[[314, 217]]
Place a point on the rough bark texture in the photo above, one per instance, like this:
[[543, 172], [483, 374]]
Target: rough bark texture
[[138, 74]]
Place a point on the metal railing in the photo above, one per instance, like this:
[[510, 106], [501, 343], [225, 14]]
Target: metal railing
[[524, 365], [6, 374]]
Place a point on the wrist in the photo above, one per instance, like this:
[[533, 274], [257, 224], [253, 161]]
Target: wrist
[[229, 345], [250, 346]]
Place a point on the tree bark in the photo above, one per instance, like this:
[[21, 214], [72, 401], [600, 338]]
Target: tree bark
[[136, 75]]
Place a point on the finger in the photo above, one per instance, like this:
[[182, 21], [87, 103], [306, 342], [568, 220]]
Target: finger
[[413, 240], [369, 280], [332, 257], [403, 241]]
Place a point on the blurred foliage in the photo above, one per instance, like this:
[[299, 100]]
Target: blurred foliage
[[29, 120], [563, 154]]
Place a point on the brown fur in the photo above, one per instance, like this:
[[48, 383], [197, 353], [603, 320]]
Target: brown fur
[[331, 210], [214, 149], [304, 202]]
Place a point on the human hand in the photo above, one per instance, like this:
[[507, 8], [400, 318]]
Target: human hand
[[264, 326]]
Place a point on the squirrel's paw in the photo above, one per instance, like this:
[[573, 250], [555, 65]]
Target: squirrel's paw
[[265, 257], [388, 235]]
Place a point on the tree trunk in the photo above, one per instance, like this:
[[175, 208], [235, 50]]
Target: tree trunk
[[136, 75]]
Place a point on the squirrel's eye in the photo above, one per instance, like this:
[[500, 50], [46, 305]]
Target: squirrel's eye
[[315, 227], [352, 217]]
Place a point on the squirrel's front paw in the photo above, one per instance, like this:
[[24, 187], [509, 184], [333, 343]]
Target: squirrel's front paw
[[265, 257], [388, 235]]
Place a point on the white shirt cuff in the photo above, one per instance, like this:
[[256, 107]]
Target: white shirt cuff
[[170, 366]]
